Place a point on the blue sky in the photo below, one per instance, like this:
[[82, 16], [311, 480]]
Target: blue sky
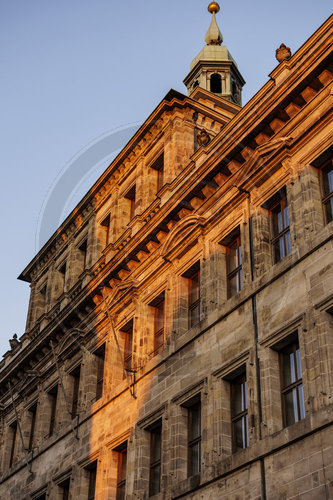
[[75, 70]]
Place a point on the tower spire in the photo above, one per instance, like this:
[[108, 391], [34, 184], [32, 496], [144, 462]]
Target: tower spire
[[214, 69], [213, 35]]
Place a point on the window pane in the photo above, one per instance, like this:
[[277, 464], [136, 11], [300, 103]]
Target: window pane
[[233, 257], [288, 243], [329, 210], [195, 315], [301, 401], [194, 289], [239, 428], [233, 285], [286, 217], [298, 363], [289, 376], [291, 407], [155, 480], [195, 423], [195, 459]]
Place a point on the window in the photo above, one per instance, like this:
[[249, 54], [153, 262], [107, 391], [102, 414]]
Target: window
[[75, 374], [62, 273], [33, 413], [327, 186], [64, 487], [158, 306], [131, 197], [106, 230], [193, 278], [291, 384], [43, 291], [121, 473], [128, 346], [194, 438], [53, 396], [234, 263], [239, 413], [216, 83], [281, 231], [83, 249], [92, 474], [100, 354], [155, 459], [13, 437], [158, 166]]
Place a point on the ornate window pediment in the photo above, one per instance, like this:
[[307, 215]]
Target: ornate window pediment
[[182, 236]]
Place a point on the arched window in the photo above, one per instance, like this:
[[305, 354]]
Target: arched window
[[216, 83]]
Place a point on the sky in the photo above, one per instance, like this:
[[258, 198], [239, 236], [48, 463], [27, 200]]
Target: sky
[[75, 73]]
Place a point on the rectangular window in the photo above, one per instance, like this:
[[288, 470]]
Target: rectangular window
[[53, 397], [158, 306], [106, 230], [234, 265], [75, 374], [158, 166], [291, 384], [281, 231], [239, 413], [121, 473], [13, 428], [100, 355], [64, 487], [327, 187], [193, 283], [155, 459], [83, 249], [92, 475], [130, 196], [194, 438], [128, 345], [33, 413], [62, 273]]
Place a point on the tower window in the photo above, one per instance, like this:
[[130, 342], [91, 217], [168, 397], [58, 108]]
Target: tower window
[[216, 83]]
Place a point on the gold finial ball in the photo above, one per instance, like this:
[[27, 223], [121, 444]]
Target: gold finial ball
[[213, 7]]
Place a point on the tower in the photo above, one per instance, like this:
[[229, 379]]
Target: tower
[[214, 69]]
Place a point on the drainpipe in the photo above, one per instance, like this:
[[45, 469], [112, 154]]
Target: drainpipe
[[255, 326]]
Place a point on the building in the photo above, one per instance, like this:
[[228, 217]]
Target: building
[[179, 340]]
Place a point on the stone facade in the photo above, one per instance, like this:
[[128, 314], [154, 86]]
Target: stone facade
[[168, 310]]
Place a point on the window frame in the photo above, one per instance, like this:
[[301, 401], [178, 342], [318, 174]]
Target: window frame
[[238, 270], [287, 389], [277, 235], [242, 415], [131, 197], [100, 370], [92, 480], [327, 195], [128, 331], [155, 463], [33, 411], [192, 442], [76, 375], [193, 284], [53, 395], [158, 304], [14, 427], [121, 480]]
